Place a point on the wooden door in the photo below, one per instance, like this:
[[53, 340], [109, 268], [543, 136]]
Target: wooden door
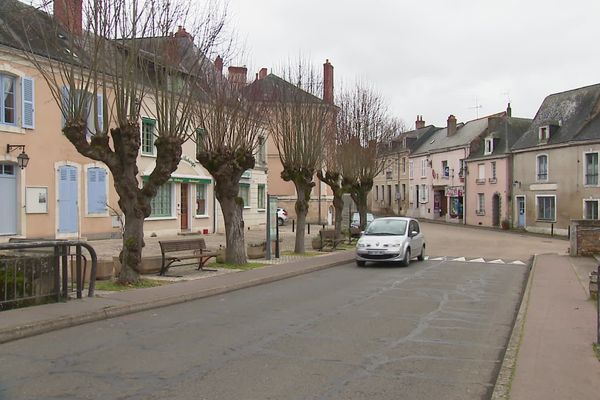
[[184, 206]]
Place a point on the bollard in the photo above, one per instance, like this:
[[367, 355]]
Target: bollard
[[552, 229], [323, 226], [293, 223], [309, 228]]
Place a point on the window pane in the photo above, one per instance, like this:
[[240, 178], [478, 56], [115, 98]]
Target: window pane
[[161, 203], [546, 208], [542, 167], [591, 169], [8, 96], [244, 193], [148, 136], [261, 196], [200, 199], [591, 209]]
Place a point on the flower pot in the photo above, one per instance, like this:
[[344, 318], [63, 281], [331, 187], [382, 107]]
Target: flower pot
[[316, 243]]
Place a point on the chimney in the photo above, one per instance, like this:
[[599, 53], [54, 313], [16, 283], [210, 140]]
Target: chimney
[[451, 125], [508, 111], [262, 74], [237, 75], [182, 33], [328, 82], [69, 14], [419, 123], [219, 64]]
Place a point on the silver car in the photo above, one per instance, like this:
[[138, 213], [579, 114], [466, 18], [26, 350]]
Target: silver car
[[391, 239]]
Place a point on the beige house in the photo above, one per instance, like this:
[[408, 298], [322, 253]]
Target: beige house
[[555, 175], [390, 193], [61, 194]]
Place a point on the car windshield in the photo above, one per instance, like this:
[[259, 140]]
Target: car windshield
[[386, 227]]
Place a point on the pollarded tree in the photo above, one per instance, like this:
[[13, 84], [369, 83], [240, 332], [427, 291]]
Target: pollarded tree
[[117, 57], [363, 125], [231, 131], [298, 121]]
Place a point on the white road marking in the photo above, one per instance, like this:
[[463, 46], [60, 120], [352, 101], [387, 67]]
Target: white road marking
[[478, 260], [498, 261], [459, 259]]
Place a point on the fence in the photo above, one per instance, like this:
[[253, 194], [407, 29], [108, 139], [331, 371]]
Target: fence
[[37, 271]]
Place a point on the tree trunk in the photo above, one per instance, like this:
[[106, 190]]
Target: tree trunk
[[338, 205], [133, 243], [232, 207], [303, 196], [359, 195]]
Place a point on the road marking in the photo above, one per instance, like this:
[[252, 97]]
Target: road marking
[[478, 260], [459, 259], [426, 257], [498, 261], [518, 262], [437, 259]]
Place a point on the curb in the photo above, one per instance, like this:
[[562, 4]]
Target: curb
[[41, 327], [503, 383]]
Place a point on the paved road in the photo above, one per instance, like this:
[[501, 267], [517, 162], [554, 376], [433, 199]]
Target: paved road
[[434, 330]]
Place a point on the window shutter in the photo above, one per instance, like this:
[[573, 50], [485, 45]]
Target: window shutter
[[28, 120], [66, 104], [100, 112], [96, 191]]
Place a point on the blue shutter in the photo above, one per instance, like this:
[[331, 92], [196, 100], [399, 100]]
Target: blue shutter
[[28, 96], [96, 191], [100, 112]]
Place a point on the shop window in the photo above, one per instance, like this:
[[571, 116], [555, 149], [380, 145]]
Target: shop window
[[162, 203], [201, 199], [245, 194]]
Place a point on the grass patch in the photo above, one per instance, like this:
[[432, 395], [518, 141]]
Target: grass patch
[[596, 348], [243, 267], [305, 254], [114, 286]]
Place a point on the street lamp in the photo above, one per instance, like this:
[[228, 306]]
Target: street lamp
[[23, 158]]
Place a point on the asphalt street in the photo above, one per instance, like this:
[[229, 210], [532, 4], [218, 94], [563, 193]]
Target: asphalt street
[[435, 329]]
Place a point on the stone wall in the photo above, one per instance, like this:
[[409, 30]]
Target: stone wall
[[585, 237]]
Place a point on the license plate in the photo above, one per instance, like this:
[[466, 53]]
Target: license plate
[[376, 252]]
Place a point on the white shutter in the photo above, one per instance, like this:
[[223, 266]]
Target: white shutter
[[27, 109], [100, 113]]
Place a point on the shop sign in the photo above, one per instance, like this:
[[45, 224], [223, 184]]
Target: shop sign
[[454, 191]]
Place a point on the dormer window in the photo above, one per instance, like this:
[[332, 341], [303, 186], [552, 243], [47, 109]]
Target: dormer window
[[544, 133], [489, 146]]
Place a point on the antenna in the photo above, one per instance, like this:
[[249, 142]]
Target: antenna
[[477, 106]]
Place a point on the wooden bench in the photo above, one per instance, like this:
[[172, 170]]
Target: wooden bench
[[330, 238], [187, 249]]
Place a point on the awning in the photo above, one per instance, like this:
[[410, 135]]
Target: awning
[[184, 173]]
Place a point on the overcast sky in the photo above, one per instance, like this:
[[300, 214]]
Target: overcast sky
[[433, 57]]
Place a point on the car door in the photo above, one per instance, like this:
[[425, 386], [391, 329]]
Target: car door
[[416, 242]]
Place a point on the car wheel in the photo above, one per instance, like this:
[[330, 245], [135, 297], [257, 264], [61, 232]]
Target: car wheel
[[422, 255], [280, 221], [406, 260], [360, 263]]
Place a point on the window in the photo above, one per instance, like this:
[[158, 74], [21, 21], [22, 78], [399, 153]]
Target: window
[[591, 169], [404, 165], [81, 104], [245, 194], [261, 151], [544, 133], [445, 169], [261, 197], [462, 168], [397, 191], [489, 146], [376, 192], [161, 203], [546, 208], [590, 209], [148, 136], [200, 134], [480, 204], [96, 191], [542, 167], [423, 194], [403, 191], [201, 199], [9, 101], [423, 168], [410, 169], [480, 174], [493, 178]]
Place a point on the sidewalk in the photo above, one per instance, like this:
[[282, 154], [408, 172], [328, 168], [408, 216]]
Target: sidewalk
[[30, 321], [553, 335]]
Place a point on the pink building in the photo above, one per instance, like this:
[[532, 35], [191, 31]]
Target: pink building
[[489, 173]]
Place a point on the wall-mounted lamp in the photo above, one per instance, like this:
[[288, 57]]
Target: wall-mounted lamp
[[515, 183], [23, 158]]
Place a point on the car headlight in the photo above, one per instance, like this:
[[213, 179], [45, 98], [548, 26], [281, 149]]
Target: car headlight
[[396, 245], [360, 245]]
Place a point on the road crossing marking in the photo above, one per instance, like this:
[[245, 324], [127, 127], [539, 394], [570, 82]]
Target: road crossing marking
[[479, 260], [476, 260], [498, 261], [459, 259], [518, 262]]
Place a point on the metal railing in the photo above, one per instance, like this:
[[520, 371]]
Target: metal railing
[[27, 274]]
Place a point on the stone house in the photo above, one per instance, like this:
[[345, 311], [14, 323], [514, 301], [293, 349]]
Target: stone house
[[555, 163]]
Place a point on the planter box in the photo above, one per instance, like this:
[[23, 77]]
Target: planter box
[[150, 265], [255, 252]]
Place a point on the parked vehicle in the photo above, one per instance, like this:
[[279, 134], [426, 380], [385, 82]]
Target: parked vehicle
[[391, 239], [282, 216]]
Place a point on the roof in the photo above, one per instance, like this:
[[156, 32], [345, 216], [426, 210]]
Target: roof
[[465, 134], [272, 87], [574, 115], [506, 131]]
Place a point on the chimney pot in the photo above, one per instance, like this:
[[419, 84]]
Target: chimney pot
[[219, 64], [419, 123], [451, 125], [262, 74], [237, 75], [328, 82]]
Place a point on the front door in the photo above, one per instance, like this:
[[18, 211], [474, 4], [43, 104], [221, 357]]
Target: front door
[[184, 206], [496, 210], [521, 211], [8, 199], [67, 199]]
